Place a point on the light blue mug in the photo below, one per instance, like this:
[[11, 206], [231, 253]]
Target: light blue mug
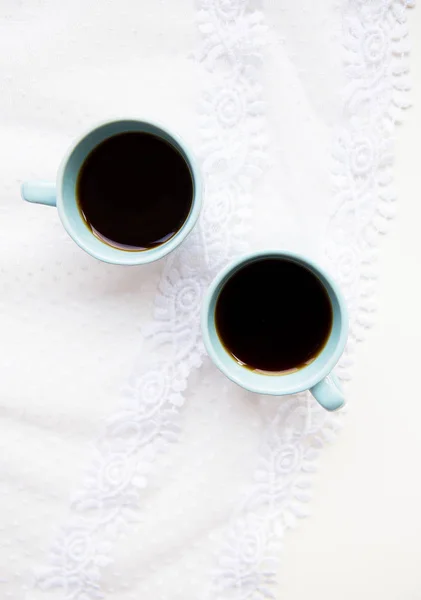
[[63, 193], [316, 376]]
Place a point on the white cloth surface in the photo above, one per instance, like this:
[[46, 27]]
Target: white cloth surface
[[362, 538], [85, 513]]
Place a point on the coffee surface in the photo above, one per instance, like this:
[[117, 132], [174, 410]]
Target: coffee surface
[[273, 315], [135, 191]]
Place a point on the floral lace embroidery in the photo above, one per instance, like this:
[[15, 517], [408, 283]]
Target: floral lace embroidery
[[233, 142], [377, 65], [376, 62]]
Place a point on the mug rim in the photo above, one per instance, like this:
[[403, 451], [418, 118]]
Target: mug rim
[[214, 288], [124, 257]]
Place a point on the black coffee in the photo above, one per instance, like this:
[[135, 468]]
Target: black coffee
[[135, 191], [273, 315]]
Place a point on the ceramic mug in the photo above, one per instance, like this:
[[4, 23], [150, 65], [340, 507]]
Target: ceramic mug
[[317, 376], [63, 193]]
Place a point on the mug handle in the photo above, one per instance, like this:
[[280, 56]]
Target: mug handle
[[39, 192], [328, 393]]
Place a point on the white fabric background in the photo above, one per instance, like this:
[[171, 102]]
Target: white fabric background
[[71, 327], [362, 538]]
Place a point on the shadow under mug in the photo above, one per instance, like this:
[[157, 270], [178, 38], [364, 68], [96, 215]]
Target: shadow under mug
[[63, 193], [317, 376]]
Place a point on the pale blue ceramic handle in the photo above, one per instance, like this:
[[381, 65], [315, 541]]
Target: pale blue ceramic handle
[[328, 392], [39, 192]]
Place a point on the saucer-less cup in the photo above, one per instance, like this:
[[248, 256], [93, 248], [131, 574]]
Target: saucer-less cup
[[62, 193], [317, 376]]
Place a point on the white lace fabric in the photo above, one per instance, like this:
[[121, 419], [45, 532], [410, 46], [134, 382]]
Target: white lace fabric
[[191, 483]]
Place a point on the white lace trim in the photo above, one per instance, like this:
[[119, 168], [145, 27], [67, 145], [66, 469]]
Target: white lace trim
[[233, 143], [377, 65]]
